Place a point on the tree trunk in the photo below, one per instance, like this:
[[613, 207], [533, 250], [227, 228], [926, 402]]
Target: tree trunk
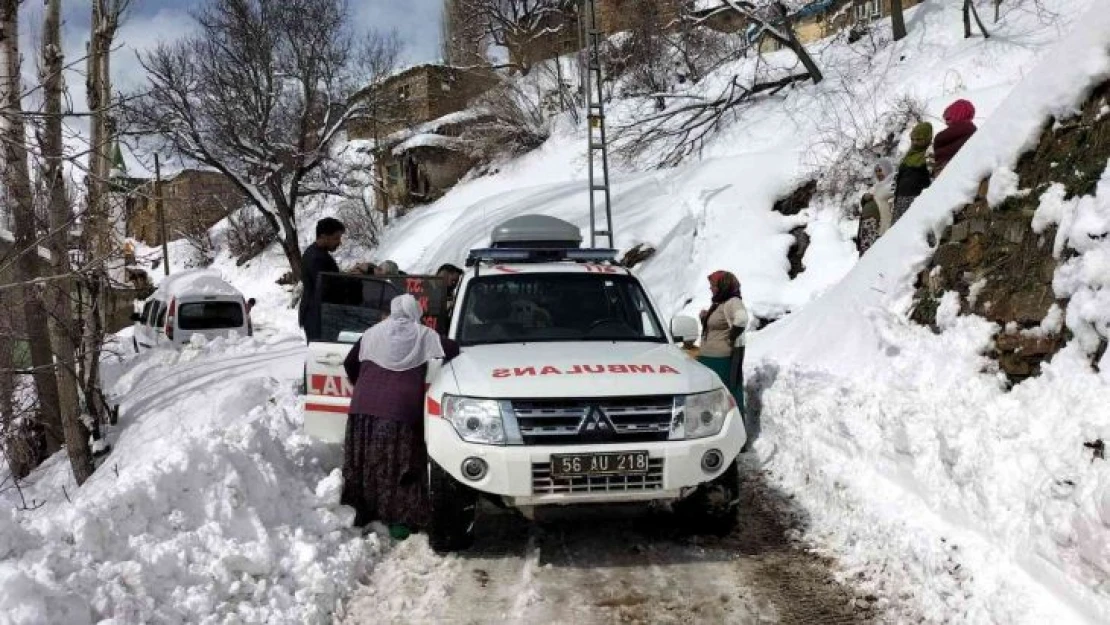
[[969, 12], [796, 46], [63, 338], [898, 20], [287, 227], [13, 448], [978, 21], [17, 180]]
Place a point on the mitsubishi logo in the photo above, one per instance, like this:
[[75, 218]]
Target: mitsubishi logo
[[596, 424]]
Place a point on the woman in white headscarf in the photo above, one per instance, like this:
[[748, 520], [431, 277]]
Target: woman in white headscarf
[[385, 462], [875, 207]]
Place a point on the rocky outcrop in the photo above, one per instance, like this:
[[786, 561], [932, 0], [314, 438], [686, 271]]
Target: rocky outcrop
[[792, 205], [1000, 267]]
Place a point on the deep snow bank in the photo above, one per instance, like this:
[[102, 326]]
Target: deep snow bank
[[923, 473], [211, 508]]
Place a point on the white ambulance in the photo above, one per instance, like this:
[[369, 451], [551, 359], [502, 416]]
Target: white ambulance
[[569, 390]]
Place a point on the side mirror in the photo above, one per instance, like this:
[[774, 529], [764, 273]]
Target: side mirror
[[685, 329], [136, 317]]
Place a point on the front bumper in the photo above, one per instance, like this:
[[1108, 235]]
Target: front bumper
[[516, 472]]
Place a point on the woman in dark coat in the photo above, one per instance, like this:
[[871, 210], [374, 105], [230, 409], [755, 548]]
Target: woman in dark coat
[[958, 116], [913, 172], [385, 462]]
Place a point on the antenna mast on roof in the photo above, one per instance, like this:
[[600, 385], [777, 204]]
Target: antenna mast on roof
[[595, 134]]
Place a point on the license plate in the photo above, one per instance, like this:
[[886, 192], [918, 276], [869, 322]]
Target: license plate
[[590, 465]]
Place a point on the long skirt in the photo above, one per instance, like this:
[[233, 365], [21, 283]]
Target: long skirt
[[385, 467], [902, 203], [723, 368]]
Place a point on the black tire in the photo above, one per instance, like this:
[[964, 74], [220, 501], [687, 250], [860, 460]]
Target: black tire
[[135, 342], [454, 511], [712, 508]]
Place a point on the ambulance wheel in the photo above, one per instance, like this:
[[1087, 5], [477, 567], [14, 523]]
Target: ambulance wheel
[[712, 508], [454, 510]]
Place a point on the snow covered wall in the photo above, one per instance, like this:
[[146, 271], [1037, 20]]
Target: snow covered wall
[[917, 461]]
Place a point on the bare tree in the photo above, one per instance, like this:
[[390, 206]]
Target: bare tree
[[515, 24], [259, 94], [970, 11], [98, 246], [64, 335], [682, 130], [17, 182], [379, 108], [463, 38], [773, 19], [898, 20]]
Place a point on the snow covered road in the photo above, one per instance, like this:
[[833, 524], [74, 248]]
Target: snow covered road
[[588, 566]]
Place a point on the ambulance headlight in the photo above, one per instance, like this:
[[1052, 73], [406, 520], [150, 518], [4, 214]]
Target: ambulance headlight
[[476, 420], [704, 413]]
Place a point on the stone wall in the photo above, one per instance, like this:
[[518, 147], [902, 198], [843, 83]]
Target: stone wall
[[422, 94], [1003, 270], [192, 200]]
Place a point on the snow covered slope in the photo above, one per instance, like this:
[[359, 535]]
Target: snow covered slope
[[211, 508], [918, 463]]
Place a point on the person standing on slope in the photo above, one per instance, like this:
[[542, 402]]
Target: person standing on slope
[[385, 462], [722, 344], [913, 173], [875, 214], [958, 116], [317, 259]]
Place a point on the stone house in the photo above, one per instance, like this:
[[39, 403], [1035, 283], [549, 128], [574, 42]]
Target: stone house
[[416, 96], [421, 165], [419, 155], [192, 200]]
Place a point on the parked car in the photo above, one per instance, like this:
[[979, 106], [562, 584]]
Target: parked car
[[188, 304]]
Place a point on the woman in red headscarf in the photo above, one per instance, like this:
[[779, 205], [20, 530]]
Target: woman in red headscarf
[[958, 116], [722, 340]]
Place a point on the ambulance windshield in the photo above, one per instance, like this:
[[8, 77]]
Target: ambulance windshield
[[554, 307]]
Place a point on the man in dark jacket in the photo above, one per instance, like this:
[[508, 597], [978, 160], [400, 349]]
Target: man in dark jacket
[[317, 259], [958, 116]]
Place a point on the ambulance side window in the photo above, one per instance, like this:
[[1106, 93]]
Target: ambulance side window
[[160, 315], [146, 312]]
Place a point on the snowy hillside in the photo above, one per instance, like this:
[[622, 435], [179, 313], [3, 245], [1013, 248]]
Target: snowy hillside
[[920, 463], [937, 493]]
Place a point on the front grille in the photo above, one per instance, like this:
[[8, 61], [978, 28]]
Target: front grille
[[564, 421], [544, 484]]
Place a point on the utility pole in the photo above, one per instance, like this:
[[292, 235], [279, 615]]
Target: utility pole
[[161, 215], [595, 132]]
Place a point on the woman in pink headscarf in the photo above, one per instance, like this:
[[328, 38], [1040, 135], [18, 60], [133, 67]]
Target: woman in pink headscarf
[[958, 116]]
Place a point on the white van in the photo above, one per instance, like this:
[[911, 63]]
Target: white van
[[187, 304]]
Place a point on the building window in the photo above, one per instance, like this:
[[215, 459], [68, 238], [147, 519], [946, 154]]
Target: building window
[[393, 174], [868, 10], [404, 92]]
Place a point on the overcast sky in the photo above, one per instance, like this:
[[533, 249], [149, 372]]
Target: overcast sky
[[151, 21]]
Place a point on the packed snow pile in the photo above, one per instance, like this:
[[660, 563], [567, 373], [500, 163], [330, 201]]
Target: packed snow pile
[[924, 473], [211, 508]]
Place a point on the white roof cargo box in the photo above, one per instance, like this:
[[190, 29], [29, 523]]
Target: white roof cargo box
[[536, 231]]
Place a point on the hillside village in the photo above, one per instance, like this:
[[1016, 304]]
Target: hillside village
[[919, 375]]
